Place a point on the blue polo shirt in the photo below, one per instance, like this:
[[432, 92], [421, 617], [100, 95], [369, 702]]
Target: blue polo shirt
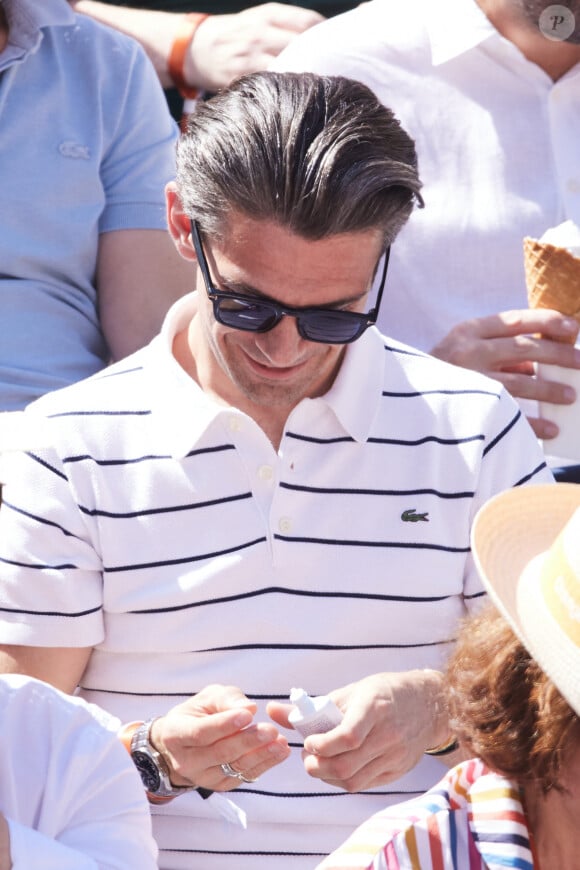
[[87, 146]]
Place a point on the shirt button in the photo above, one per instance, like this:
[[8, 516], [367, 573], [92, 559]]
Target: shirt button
[[573, 185], [284, 524], [235, 424], [265, 472]]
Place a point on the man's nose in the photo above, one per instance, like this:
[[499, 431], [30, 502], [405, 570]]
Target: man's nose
[[281, 344]]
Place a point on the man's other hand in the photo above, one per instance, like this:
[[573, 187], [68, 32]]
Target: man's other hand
[[507, 346]]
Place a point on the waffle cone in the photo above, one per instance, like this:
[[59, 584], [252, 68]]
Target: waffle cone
[[552, 278]]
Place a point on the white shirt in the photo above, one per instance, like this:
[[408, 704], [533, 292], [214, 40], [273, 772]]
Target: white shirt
[[498, 145], [164, 530], [71, 795]]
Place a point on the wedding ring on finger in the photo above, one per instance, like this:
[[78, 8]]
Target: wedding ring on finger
[[228, 770]]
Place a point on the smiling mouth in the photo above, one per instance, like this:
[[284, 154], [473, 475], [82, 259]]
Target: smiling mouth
[[274, 372]]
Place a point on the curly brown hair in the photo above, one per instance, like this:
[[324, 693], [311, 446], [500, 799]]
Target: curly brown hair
[[503, 707]]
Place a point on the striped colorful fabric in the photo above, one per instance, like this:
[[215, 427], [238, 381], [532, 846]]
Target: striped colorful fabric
[[473, 819]]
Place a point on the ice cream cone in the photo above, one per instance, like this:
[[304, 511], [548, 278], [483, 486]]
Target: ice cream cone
[[552, 277]]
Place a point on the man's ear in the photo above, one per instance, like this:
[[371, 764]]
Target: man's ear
[[178, 222]]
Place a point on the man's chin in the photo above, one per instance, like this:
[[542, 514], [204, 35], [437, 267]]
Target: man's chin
[[274, 396]]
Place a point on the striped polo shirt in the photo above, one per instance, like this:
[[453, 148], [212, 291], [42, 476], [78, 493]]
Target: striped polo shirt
[[472, 820], [165, 531]]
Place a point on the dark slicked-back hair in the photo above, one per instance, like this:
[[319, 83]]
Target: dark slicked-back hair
[[319, 155]]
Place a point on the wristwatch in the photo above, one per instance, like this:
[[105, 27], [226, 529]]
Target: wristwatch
[[152, 766]]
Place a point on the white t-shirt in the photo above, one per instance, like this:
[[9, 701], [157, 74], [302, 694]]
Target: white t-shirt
[[68, 789]]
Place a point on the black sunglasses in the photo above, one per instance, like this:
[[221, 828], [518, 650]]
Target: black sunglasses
[[254, 314]]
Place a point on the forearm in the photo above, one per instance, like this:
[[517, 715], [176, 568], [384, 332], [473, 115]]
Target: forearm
[[436, 723], [60, 666], [5, 857], [442, 743], [155, 30], [216, 52], [139, 276]]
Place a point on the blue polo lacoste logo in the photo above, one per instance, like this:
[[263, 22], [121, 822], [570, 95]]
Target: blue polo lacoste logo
[[76, 150], [409, 516]]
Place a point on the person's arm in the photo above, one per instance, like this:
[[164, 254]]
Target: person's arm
[[506, 346], [154, 30], [61, 667], [70, 796], [196, 737], [5, 858], [139, 276], [389, 721], [223, 47]]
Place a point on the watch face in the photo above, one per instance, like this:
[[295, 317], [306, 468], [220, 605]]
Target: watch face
[[148, 770]]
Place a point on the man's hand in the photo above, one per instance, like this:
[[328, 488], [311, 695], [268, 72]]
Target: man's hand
[[214, 727], [389, 720], [506, 346], [224, 46], [228, 46]]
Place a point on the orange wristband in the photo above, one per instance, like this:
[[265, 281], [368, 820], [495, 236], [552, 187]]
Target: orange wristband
[[125, 734], [176, 63]]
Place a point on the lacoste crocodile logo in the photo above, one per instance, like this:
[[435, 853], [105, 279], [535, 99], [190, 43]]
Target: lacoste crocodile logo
[[76, 150], [409, 516]]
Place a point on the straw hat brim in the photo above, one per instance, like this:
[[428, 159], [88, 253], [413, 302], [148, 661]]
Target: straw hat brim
[[511, 535]]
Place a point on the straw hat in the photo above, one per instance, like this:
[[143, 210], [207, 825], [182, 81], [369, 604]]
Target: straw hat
[[526, 545]]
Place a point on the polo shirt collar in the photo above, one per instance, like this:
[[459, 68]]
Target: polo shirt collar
[[26, 20], [183, 412], [357, 390], [455, 27], [32, 13]]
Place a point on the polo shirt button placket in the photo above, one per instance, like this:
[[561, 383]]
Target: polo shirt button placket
[[284, 525], [265, 472]]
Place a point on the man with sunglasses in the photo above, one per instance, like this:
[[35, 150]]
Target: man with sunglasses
[[271, 495]]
